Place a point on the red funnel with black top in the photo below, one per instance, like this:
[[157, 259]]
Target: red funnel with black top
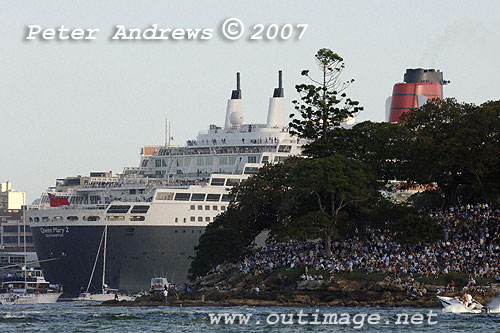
[[418, 86]]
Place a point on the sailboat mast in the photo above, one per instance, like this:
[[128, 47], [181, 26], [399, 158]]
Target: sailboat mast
[[95, 263], [168, 133], [104, 258], [25, 254]]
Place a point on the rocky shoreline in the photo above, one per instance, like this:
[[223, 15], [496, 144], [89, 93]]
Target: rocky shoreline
[[248, 290]]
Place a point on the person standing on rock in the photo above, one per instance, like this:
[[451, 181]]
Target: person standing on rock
[[165, 294]]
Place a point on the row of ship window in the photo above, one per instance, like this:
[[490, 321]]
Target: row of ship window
[[123, 209], [193, 196], [204, 161], [88, 218], [193, 219], [122, 218], [223, 160], [184, 231], [207, 207]]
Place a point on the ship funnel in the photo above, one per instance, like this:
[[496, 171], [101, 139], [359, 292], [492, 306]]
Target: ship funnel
[[419, 85], [279, 92], [234, 117], [236, 94], [276, 105]]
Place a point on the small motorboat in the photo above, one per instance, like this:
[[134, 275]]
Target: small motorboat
[[456, 304]]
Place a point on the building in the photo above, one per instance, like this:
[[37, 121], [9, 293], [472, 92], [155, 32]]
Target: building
[[10, 198], [13, 229]]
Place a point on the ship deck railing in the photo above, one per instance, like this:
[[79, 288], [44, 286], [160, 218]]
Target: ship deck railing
[[73, 206], [203, 149]]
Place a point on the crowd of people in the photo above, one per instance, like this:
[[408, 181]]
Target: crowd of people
[[471, 245]]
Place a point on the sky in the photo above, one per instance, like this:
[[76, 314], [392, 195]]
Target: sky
[[69, 107]]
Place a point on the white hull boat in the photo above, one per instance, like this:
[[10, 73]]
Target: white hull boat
[[15, 298], [456, 305], [88, 297]]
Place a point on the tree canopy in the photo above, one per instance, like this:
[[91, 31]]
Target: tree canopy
[[323, 103], [454, 144]]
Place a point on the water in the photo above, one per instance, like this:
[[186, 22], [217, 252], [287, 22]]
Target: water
[[80, 317]]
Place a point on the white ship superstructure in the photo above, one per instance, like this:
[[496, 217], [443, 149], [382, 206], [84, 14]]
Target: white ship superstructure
[[156, 212]]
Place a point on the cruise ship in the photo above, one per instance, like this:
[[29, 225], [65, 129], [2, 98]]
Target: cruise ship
[[154, 213]]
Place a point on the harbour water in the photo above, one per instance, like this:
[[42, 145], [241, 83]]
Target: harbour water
[[81, 317]]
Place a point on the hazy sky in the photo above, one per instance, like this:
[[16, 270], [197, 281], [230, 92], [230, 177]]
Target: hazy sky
[[71, 107]]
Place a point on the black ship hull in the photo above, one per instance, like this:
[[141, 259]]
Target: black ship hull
[[134, 255]]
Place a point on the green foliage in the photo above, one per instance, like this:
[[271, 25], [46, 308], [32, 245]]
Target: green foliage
[[323, 104], [307, 226], [454, 144], [333, 184], [427, 199], [387, 211], [262, 198], [412, 229], [218, 244], [381, 145]]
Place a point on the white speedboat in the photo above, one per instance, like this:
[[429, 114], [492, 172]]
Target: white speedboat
[[456, 305]]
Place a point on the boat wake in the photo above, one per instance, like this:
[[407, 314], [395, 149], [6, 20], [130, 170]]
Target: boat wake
[[494, 305], [458, 308]]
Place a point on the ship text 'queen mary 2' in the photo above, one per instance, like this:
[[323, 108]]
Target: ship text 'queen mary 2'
[[156, 212]]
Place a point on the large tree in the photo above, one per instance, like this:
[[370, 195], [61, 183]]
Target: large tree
[[323, 103], [334, 184], [481, 132], [453, 144]]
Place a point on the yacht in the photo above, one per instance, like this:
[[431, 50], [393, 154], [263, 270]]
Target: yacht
[[28, 286]]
